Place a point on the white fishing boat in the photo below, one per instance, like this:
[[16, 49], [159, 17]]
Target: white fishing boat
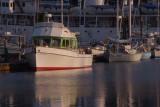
[[55, 47], [123, 51]]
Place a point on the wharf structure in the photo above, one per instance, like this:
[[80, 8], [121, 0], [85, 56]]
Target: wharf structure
[[94, 19]]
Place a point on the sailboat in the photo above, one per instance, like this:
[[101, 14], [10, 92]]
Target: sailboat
[[56, 47], [123, 51]]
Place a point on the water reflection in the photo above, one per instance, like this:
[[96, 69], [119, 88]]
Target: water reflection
[[63, 88], [134, 84], [17, 89]]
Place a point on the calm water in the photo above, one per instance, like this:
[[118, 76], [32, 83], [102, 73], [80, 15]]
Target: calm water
[[105, 85]]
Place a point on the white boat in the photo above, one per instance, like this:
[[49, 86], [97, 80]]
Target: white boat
[[56, 48], [125, 57]]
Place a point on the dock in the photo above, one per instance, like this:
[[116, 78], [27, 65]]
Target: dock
[[14, 67]]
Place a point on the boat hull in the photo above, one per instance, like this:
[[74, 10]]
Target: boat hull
[[43, 58], [156, 54], [146, 55], [125, 57]]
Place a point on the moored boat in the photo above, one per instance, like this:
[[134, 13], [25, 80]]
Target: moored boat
[[120, 57], [146, 55], [55, 47]]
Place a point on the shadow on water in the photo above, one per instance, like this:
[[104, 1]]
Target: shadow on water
[[105, 84]]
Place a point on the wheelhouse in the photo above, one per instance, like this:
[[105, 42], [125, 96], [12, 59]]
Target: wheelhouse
[[57, 42]]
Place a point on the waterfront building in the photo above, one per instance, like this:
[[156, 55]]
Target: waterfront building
[[94, 19]]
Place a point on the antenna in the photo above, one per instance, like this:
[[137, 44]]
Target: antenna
[[48, 16]]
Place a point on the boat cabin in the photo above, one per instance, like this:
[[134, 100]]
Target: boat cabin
[[56, 42], [52, 34]]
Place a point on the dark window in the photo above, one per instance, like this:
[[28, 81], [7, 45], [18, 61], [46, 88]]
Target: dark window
[[56, 43], [67, 43], [63, 43], [36, 42], [46, 42], [3, 4], [7, 4], [11, 4], [23, 4]]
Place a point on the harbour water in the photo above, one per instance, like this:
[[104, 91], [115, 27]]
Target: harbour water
[[134, 84]]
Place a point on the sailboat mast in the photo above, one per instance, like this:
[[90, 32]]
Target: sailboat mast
[[62, 11], [130, 29], [158, 20], [118, 19]]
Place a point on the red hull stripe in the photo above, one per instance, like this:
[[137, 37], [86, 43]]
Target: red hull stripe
[[60, 68]]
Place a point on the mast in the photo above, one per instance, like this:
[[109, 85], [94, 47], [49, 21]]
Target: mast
[[118, 19], [62, 11], [158, 20], [35, 3], [130, 29]]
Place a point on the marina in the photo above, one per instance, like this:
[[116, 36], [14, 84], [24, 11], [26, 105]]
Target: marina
[[79, 53]]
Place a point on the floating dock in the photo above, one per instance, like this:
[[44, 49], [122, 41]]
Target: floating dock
[[4, 67], [19, 66]]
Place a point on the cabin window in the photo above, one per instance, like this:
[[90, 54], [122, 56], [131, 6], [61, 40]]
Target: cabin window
[[36, 42], [67, 43], [46, 42], [56, 43], [63, 43]]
